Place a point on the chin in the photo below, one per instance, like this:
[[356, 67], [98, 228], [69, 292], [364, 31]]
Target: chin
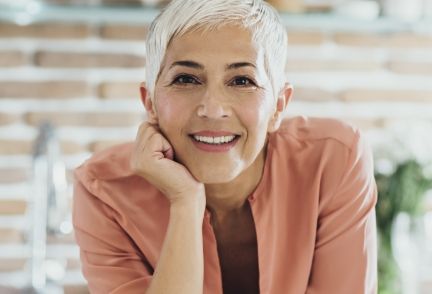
[[214, 176]]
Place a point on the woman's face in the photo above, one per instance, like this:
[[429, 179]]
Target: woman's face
[[214, 102]]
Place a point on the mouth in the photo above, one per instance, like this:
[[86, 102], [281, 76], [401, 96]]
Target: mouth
[[214, 141]]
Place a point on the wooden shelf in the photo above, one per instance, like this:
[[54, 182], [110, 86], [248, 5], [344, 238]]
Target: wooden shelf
[[36, 12]]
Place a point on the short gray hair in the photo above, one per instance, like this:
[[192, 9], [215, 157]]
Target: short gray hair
[[182, 16]]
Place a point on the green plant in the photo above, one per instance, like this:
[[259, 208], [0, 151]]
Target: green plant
[[400, 191]]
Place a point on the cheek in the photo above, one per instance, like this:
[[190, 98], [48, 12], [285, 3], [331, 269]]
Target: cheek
[[165, 111], [256, 116], [170, 110], [164, 108]]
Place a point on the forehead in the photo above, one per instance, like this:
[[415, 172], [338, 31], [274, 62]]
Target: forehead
[[227, 43]]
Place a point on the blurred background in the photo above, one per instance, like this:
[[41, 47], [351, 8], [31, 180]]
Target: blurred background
[[69, 77]]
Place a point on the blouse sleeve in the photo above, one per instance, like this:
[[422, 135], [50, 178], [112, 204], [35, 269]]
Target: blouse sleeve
[[111, 263], [345, 258]]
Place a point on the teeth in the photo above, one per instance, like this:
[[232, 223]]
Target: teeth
[[214, 140]]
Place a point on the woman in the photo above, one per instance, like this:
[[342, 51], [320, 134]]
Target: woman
[[218, 194]]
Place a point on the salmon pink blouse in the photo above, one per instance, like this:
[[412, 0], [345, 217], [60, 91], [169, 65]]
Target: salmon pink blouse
[[314, 214]]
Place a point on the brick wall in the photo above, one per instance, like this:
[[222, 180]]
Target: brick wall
[[84, 78]]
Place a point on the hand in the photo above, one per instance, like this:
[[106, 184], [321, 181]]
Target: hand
[[152, 158]]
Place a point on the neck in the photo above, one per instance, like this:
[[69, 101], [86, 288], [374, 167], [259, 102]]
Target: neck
[[230, 198]]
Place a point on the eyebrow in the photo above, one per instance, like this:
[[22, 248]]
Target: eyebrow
[[240, 64], [196, 65], [187, 63]]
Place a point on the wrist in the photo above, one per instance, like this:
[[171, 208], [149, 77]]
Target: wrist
[[188, 198], [193, 204]]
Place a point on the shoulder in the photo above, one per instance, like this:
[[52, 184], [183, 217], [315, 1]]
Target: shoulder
[[107, 176], [305, 130], [107, 164], [324, 151], [94, 176]]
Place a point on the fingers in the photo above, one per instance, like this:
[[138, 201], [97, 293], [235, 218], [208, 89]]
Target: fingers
[[169, 154], [144, 132], [150, 142], [139, 154], [152, 158]]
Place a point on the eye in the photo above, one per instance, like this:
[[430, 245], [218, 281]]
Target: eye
[[185, 79], [243, 82]]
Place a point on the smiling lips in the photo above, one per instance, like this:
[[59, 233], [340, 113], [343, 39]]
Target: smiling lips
[[214, 141]]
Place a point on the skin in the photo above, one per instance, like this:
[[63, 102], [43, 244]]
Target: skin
[[204, 85]]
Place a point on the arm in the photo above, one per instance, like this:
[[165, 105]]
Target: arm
[[345, 258], [112, 263], [180, 268]]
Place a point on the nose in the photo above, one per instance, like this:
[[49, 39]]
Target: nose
[[214, 104]]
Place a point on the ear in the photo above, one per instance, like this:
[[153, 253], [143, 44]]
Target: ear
[[282, 102], [148, 104]]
